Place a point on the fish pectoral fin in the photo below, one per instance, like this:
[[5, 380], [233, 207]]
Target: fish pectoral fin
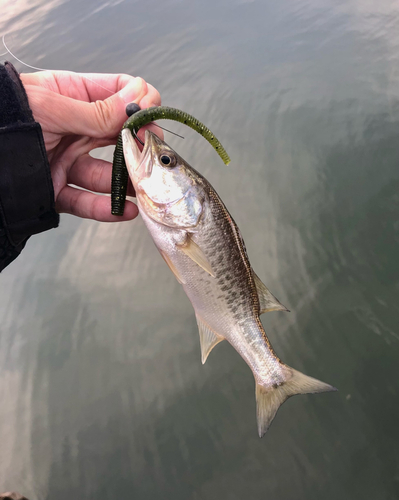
[[192, 250], [270, 398], [172, 267], [208, 338], [267, 301]]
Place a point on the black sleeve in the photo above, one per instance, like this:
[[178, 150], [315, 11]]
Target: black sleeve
[[27, 204]]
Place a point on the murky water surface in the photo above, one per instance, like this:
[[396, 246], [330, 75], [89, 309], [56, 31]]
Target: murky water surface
[[102, 391]]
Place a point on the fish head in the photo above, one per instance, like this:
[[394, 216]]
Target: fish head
[[166, 186]]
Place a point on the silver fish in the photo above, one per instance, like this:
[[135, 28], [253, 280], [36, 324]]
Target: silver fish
[[202, 245]]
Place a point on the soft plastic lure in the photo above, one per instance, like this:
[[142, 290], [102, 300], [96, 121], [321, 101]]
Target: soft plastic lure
[[137, 120]]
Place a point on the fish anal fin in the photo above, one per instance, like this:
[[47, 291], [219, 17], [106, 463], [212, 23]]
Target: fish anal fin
[[194, 252], [270, 398], [172, 267], [208, 338], [267, 301]]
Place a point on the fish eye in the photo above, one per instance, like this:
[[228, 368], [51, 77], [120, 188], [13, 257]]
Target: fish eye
[[167, 160]]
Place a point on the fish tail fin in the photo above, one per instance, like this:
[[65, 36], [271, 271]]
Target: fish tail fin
[[269, 399]]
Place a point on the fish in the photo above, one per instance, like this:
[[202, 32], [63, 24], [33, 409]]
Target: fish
[[202, 245]]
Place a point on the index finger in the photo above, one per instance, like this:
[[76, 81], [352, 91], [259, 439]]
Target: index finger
[[100, 86], [88, 87]]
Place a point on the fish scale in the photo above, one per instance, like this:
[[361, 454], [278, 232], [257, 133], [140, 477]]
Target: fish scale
[[202, 245]]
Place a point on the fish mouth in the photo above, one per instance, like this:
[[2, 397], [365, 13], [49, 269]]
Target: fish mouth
[[139, 163]]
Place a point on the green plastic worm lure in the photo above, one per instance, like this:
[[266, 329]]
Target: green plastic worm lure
[[120, 175]]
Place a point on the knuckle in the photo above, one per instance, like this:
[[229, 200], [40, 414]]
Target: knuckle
[[144, 85], [97, 177], [95, 209], [155, 95], [91, 210], [74, 203], [104, 115]]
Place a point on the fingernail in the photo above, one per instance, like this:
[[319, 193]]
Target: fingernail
[[132, 92]]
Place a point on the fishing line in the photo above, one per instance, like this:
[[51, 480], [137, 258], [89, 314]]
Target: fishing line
[[166, 130], [44, 69], [82, 76]]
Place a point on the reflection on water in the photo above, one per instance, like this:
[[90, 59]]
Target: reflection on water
[[103, 392]]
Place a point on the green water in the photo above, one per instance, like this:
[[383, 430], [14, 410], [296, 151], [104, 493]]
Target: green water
[[102, 390]]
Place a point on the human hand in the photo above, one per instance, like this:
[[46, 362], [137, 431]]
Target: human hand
[[12, 495], [78, 113]]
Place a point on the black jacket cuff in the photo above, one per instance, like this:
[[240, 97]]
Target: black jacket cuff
[[27, 203]]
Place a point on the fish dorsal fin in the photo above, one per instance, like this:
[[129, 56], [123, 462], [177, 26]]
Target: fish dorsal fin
[[172, 267], [208, 338], [192, 250], [267, 301]]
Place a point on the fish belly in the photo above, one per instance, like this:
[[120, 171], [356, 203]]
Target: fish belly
[[224, 302], [227, 304]]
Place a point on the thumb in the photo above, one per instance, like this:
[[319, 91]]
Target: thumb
[[99, 119], [105, 118]]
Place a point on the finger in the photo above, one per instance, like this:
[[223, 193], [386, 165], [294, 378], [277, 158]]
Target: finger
[[93, 174], [100, 86], [91, 206], [105, 118], [71, 148], [100, 119], [87, 87], [152, 98]]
